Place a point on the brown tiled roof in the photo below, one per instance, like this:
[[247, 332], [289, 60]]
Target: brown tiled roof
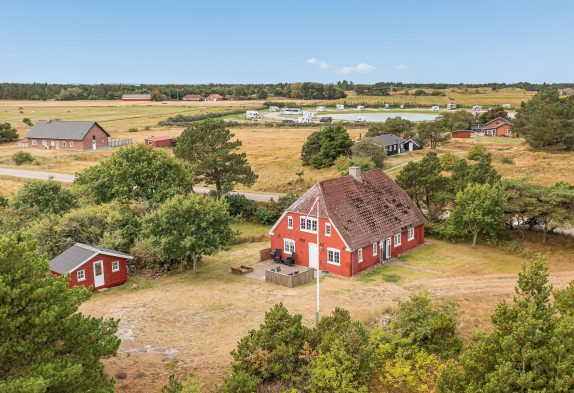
[[362, 211]]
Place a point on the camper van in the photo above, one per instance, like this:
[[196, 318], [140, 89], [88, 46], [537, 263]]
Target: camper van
[[476, 108], [360, 119], [252, 115], [321, 108], [291, 111], [304, 119], [273, 108], [340, 107], [451, 106], [402, 106], [506, 106], [435, 108], [310, 115], [360, 107], [387, 106]]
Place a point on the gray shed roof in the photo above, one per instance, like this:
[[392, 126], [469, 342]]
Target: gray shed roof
[[60, 129], [79, 254], [388, 139]]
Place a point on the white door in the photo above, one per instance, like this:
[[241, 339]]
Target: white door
[[387, 254], [57, 145], [313, 256], [93, 144], [411, 146], [98, 274]]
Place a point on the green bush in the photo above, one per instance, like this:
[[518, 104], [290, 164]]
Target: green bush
[[448, 161], [506, 160], [22, 157], [476, 152], [444, 230], [265, 216], [27, 121], [239, 205], [132, 130]]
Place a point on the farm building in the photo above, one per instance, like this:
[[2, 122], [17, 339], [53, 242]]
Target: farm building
[[192, 97], [136, 97], [159, 141], [364, 219], [497, 127], [214, 97], [460, 134], [91, 266], [67, 135], [393, 144]]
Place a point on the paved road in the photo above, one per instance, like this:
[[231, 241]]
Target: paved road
[[65, 178]]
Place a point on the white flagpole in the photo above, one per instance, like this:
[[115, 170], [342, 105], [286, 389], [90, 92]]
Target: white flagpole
[[318, 262]]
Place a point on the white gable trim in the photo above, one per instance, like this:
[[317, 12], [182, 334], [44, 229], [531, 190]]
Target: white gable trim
[[347, 248], [113, 254]]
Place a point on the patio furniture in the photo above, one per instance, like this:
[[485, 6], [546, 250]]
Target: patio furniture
[[277, 255], [290, 261], [241, 270]]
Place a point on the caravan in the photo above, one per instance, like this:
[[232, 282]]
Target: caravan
[[304, 119], [252, 115], [291, 111], [340, 107], [321, 108], [435, 108]]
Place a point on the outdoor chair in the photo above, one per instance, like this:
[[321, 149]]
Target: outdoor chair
[[290, 261], [277, 255]]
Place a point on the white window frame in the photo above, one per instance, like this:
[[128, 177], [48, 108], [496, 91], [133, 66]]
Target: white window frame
[[288, 246], [411, 234], [331, 253], [81, 277], [308, 224], [327, 229], [52, 143], [34, 142], [360, 255], [71, 144], [395, 242], [375, 249], [115, 266], [289, 222]]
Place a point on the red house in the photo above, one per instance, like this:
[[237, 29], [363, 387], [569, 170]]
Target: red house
[[159, 141], [91, 266], [364, 219], [497, 127], [192, 97], [460, 134]]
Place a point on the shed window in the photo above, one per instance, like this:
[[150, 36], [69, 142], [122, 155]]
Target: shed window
[[411, 234], [334, 256], [397, 239], [288, 246], [360, 255], [81, 275], [327, 229], [375, 249], [289, 222], [115, 266]]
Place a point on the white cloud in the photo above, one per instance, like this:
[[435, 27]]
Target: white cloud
[[320, 63], [401, 67], [361, 68]]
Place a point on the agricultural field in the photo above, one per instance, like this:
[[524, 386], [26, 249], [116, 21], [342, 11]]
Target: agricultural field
[[188, 324]]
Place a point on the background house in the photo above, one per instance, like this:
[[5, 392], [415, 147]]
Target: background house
[[413, 144], [214, 97], [193, 97], [136, 97], [364, 220], [91, 266], [393, 144], [67, 135], [497, 127]]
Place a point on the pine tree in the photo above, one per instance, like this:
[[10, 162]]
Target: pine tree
[[46, 345]]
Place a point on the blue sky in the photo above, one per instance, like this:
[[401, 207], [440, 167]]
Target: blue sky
[[128, 41]]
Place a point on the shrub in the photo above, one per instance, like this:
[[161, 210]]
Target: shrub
[[343, 163], [22, 157], [7, 133], [241, 382], [506, 160], [239, 205], [27, 121], [146, 256], [476, 152], [448, 161], [443, 230], [132, 130], [265, 216]]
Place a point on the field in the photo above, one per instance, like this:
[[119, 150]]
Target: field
[[188, 324]]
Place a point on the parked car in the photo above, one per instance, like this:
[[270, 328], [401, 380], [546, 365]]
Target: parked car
[[287, 121], [326, 119]]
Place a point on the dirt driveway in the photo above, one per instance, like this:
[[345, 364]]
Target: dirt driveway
[[187, 324]]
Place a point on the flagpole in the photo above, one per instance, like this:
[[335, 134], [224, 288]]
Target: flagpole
[[318, 262]]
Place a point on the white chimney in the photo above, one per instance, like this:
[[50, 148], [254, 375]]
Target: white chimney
[[355, 171]]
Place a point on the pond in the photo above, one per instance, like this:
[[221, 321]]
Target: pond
[[381, 116]]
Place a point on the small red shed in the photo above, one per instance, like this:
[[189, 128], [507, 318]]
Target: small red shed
[[92, 266], [159, 141], [461, 134]]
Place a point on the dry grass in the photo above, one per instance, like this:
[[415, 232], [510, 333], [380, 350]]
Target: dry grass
[[10, 185], [186, 324]]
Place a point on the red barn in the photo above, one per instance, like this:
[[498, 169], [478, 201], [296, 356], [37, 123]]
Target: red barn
[[159, 141], [91, 266], [364, 219], [460, 134], [497, 127]]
